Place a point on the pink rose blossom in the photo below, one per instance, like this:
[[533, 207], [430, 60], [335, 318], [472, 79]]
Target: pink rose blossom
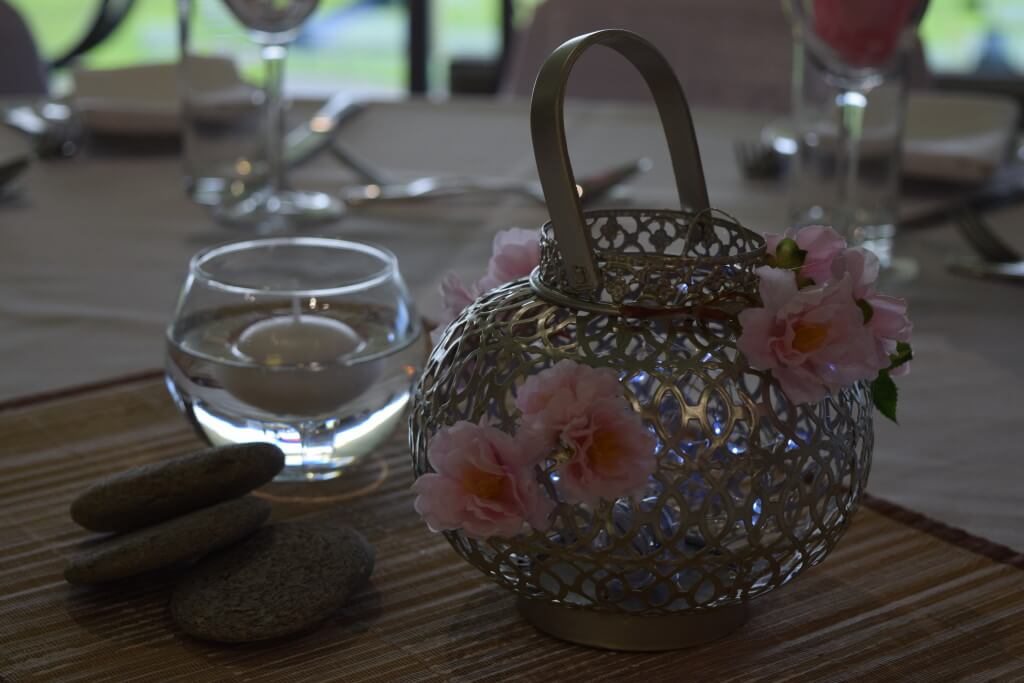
[[822, 244], [612, 454], [514, 254], [455, 297], [553, 398], [889, 322], [812, 339], [484, 483], [584, 409]]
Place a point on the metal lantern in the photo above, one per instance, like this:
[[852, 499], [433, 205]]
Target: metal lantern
[[750, 488]]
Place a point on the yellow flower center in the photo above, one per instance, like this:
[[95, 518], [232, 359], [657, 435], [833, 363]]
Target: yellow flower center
[[483, 484], [605, 451], [809, 336]]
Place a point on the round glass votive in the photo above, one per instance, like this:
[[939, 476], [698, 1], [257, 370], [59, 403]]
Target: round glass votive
[[308, 343]]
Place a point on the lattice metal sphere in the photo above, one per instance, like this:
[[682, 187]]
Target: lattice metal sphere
[[749, 490]]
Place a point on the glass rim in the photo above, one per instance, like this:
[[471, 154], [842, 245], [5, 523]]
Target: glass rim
[[388, 270]]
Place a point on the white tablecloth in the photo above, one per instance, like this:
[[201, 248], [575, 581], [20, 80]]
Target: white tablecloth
[[93, 254]]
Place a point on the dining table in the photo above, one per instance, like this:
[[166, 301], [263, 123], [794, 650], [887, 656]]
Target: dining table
[[93, 253]]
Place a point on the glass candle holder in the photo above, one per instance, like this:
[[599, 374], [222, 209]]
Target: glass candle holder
[[307, 343]]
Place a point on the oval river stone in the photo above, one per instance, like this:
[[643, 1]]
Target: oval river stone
[[159, 491], [284, 580], [182, 539]]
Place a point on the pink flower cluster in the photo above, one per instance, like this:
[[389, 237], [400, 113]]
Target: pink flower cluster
[[514, 254], [822, 326], [485, 482], [583, 409]]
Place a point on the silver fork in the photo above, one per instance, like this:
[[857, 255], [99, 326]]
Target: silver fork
[[590, 188], [983, 239]]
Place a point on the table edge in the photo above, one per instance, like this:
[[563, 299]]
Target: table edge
[[953, 535]]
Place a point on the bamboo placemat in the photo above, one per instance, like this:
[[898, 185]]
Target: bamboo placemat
[[902, 598]]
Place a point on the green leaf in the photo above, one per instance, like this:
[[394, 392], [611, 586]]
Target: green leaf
[[885, 394], [904, 354], [788, 255], [866, 309]]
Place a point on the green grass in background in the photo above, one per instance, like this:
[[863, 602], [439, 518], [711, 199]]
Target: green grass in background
[[368, 49]]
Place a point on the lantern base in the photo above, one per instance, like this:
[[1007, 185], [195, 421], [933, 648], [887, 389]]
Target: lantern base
[[633, 633]]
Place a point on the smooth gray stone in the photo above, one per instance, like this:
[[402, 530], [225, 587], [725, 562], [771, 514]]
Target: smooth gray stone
[[183, 539], [159, 491], [284, 580]]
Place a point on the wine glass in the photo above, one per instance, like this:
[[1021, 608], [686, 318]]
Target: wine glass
[[855, 47], [274, 24], [308, 343]]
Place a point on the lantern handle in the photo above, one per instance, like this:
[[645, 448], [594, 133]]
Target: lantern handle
[[547, 124]]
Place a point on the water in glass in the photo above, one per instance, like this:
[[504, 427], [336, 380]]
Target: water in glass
[[324, 374]]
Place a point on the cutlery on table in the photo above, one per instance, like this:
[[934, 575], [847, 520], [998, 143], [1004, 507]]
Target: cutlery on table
[[9, 170], [983, 239], [319, 134], [53, 127], [1005, 188], [1003, 272], [591, 188]]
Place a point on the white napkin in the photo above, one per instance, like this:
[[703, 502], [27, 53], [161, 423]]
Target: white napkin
[[959, 137], [145, 99]]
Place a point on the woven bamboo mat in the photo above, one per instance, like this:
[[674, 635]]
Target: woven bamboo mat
[[901, 599]]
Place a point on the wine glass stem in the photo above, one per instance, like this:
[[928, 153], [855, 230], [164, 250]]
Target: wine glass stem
[[851, 124], [273, 59]]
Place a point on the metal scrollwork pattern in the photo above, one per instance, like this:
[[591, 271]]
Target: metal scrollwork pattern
[[750, 489], [660, 259]]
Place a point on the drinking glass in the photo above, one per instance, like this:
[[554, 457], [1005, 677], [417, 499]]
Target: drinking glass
[[222, 105], [273, 25], [849, 100], [308, 343]]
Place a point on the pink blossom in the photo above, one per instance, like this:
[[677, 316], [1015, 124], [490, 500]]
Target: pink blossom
[[484, 482], [822, 244], [585, 410], [889, 322], [863, 268], [554, 398], [455, 297], [612, 454], [514, 254], [812, 339]]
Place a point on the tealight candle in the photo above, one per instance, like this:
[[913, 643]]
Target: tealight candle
[[298, 340], [303, 365]]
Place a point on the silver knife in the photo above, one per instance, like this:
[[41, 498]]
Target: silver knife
[[319, 134], [1004, 272]]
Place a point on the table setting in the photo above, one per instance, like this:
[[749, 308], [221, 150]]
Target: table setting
[[509, 388]]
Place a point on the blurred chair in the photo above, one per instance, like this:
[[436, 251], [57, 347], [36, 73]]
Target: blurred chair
[[108, 17], [728, 53], [22, 72]]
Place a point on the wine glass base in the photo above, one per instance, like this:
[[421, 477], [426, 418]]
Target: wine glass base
[[894, 269], [268, 212]]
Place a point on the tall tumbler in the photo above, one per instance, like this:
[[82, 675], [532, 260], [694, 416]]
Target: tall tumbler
[[850, 74], [221, 92]]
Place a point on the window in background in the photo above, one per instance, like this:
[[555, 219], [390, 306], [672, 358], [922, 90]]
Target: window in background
[[352, 44], [983, 38], [361, 44]]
